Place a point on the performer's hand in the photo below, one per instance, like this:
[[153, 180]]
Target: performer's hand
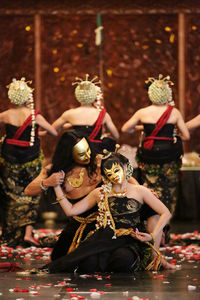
[[142, 236], [55, 179], [67, 125], [42, 132], [139, 127]]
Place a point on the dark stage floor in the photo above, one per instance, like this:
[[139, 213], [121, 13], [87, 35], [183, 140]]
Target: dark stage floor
[[184, 283]]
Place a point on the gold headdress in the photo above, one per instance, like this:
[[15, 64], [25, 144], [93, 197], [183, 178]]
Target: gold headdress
[[108, 153], [85, 91], [19, 92], [159, 91]]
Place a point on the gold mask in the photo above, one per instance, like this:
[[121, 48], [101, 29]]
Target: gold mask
[[81, 152], [115, 174]]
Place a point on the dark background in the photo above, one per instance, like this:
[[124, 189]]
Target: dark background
[[140, 39]]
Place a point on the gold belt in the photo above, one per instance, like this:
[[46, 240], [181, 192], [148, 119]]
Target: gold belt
[[155, 263], [79, 232]]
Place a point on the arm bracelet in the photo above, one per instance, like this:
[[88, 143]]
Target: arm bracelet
[[42, 187], [151, 234], [60, 198]]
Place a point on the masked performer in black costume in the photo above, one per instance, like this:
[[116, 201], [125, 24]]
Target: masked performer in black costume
[[74, 157], [119, 242]]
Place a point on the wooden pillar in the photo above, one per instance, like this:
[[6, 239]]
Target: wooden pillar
[[181, 62], [38, 74]]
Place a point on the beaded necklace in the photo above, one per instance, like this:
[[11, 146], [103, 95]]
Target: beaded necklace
[[119, 194], [105, 217]]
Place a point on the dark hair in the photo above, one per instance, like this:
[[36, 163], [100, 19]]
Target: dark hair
[[63, 158], [147, 84], [113, 158]]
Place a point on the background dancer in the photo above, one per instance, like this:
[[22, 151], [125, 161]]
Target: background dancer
[[159, 155], [89, 118], [20, 163]]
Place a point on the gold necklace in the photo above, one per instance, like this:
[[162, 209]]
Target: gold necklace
[[119, 194], [76, 182]]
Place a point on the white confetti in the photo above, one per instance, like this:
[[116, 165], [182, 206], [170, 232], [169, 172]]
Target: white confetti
[[95, 295], [191, 287], [135, 298], [178, 266], [83, 276]]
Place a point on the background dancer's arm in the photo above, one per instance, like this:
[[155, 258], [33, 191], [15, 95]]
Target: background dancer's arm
[[194, 123], [42, 122], [111, 126], [59, 123], [131, 123], [184, 132]]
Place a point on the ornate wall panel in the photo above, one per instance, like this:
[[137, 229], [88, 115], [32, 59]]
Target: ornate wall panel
[[140, 40], [136, 47], [16, 52], [193, 76], [68, 50]]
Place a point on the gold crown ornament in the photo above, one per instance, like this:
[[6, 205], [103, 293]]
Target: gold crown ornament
[[160, 91], [19, 92], [85, 91]]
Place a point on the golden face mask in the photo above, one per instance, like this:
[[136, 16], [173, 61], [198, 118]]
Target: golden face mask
[[81, 152], [116, 174]]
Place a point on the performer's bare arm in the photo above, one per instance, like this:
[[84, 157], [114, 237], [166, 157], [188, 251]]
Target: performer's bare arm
[[111, 126], [193, 123], [151, 200], [64, 118], [42, 122], [42, 180], [131, 123], [79, 207], [184, 132]]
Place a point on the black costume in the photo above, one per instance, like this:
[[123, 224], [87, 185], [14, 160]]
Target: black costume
[[160, 165], [102, 252], [163, 151], [81, 225], [93, 134], [19, 165]]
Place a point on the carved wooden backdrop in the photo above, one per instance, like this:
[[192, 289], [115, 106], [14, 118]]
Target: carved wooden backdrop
[[138, 42]]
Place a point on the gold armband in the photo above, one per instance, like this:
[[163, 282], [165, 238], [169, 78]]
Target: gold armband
[[151, 234], [60, 198]]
